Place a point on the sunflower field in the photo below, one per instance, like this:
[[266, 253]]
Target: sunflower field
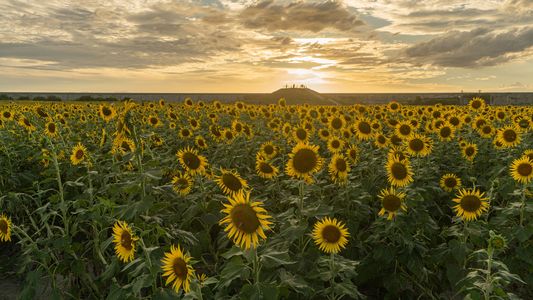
[[197, 200]]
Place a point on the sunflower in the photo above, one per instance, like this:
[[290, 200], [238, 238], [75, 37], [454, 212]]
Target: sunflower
[[399, 171], [5, 228], [177, 268], [352, 153], [529, 153], [469, 151], [123, 145], [471, 204], [522, 169], [330, 235], [182, 184], [265, 169], [336, 123], [363, 129], [391, 202], [404, 129], [269, 150], [7, 115], [381, 141], [339, 169], [25, 122], [450, 182], [185, 133], [107, 112], [124, 241], [200, 142], [303, 162], [324, 134], [335, 145], [446, 132], [154, 121], [228, 135], [509, 136], [192, 161], [50, 129], [79, 153], [419, 145], [486, 131], [477, 103], [300, 134], [246, 220], [230, 182]]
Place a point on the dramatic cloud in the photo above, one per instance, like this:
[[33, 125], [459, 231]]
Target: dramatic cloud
[[300, 16]]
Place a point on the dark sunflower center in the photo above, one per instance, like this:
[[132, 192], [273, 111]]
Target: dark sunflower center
[[454, 121], [336, 123], [352, 154], [405, 129], [238, 127], [445, 132], [394, 106], [231, 182], [153, 121], [524, 169], [501, 115], [268, 149], [331, 234], [395, 140], [399, 171], [470, 203], [3, 226], [229, 135], [7, 114], [182, 182], [52, 127], [476, 104], [185, 132], [180, 268], [79, 154], [325, 133], [416, 145], [450, 182], [126, 240], [265, 168], [509, 135], [301, 134], [381, 139], [106, 111], [125, 146], [335, 144], [340, 165], [27, 122], [365, 128], [191, 160], [201, 143], [391, 202], [469, 151], [245, 218], [487, 129], [305, 160], [194, 123]]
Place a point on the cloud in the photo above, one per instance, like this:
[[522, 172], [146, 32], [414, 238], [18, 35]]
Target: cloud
[[299, 16], [475, 48]]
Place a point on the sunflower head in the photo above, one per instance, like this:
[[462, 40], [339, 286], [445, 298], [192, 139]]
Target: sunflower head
[[246, 221], [522, 170], [469, 151], [399, 171], [176, 266], [304, 161], [192, 161], [264, 169], [182, 183], [392, 201], [339, 169], [330, 235], [5, 228], [471, 203], [79, 153], [230, 182], [509, 136], [450, 182], [124, 241]]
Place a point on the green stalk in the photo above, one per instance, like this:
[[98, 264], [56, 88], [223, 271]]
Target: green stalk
[[63, 205], [488, 279]]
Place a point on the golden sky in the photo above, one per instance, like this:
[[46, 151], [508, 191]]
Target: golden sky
[[259, 46]]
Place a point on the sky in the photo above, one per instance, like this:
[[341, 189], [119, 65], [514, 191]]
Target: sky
[[259, 46]]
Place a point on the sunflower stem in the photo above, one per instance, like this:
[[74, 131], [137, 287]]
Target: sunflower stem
[[63, 205], [523, 206], [488, 279], [333, 275]]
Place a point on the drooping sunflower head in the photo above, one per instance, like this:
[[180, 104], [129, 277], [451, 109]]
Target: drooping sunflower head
[[522, 170], [5, 228], [246, 221], [124, 241], [177, 268], [182, 183], [399, 171], [230, 182], [339, 169], [330, 235], [392, 201], [509, 136], [265, 169], [304, 161], [471, 203], [192, 161], [79, 153], [450, 182]]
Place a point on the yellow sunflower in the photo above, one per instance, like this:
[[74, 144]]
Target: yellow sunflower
[[339, 169], [469, 151], [185, 133], [303, 162], [124, 241], [446, 132], [154, 121], [123, 145], [200, 142], [182, 183], [5, 228], [477, 103], [471, 204], [269, 150], [419, 145], [264, 169], [399, 172], [79, 153], [230, 182], [335, 144], [352, 153], [50, 129], [509, 136], [391, 202], [246, 221], [522, 169], [450, 182], [107, 112], [300, 134], [404, 129], [363, 129], [330, 235], [177, 268], [192, 161]]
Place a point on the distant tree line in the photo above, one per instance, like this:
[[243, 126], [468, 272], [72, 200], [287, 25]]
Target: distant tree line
[[85, 98]]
